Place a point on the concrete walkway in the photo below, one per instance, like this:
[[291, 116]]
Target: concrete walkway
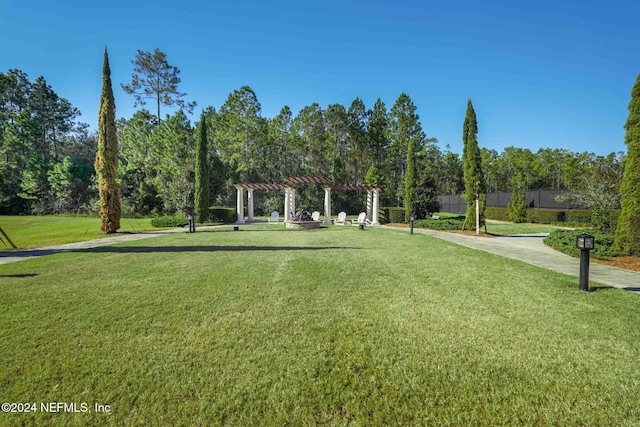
[[529, 248]]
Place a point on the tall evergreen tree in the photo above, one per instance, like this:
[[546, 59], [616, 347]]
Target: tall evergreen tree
[[474, 187], [410, 180], [202, 172], [404, 129], [106, 163], [627, 237]]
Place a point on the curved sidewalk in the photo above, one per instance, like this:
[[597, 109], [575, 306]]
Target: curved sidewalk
[[529, 248]]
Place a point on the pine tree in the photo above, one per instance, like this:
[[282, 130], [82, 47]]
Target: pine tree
[[202, 173], [155, 79], [627, 237], [106, 163], [474, 187], [406, 138]]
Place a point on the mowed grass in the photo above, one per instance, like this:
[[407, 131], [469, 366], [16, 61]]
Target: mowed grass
[[37, 231], [507, 229], [336, 326]]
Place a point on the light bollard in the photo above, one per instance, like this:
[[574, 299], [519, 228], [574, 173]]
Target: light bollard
[[585, 242], [192, 222], [411, 219]]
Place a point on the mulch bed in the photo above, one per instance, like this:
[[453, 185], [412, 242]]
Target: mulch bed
[[627, 262]]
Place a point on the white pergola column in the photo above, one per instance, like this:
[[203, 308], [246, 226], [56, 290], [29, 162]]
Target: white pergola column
[[327, 206], [290, 203], [240, 205], [250, 204], [369, 206], [285, 215], [376, 207]]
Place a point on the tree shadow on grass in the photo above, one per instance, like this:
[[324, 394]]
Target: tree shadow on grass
[[598, 288], [19, 275], [207, 248], [34, 253], [242, 229]]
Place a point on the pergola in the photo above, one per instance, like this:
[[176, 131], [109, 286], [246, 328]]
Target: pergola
[[291, 184]]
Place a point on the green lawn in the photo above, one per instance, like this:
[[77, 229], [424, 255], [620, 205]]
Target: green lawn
[[505, 228], [37, 231], [336, 326]]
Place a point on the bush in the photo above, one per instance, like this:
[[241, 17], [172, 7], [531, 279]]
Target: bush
[[392, 215], [516, 207], [578, 216], [565, 242], [223, 214], [545, 216], [453, 223], [177, 220], [499, 214]]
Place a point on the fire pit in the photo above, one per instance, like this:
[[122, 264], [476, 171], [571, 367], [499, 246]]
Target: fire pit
[[303, 220]]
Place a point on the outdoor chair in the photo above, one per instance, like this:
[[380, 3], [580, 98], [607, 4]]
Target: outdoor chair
[[342, 219], [362, 219], [275, 216], [315, 216]]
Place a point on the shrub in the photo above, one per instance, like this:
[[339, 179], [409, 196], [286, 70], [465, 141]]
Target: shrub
[[565, 242], [392, 215], [177, 220], [578, 216], [546, 216], [453, 223], [223, 214], [517, 208], [499, 214]]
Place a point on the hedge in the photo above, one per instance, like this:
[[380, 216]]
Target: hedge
[[392, 215], [177, 220], [544, 216], [222, 214], [453, 223], [499, 214]]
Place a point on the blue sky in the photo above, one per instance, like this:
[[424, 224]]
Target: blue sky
[[541, 73]]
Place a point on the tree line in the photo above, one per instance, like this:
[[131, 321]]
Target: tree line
[[47, 157]]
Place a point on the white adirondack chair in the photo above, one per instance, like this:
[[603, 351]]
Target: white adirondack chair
[[275, 217], [362, 219], [315, 216], [342, 218]]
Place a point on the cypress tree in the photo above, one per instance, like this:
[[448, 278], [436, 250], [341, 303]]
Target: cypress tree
[[627, 238], [410, 180], [106, 163], [202, 173], [472, 167]]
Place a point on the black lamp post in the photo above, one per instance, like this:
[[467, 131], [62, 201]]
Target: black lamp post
[[585, 242], [411, 219]]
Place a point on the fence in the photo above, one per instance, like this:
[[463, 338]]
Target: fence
[[537, 199]]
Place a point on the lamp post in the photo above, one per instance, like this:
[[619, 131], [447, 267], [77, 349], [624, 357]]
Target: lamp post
[[585, 242], [411, 219]]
